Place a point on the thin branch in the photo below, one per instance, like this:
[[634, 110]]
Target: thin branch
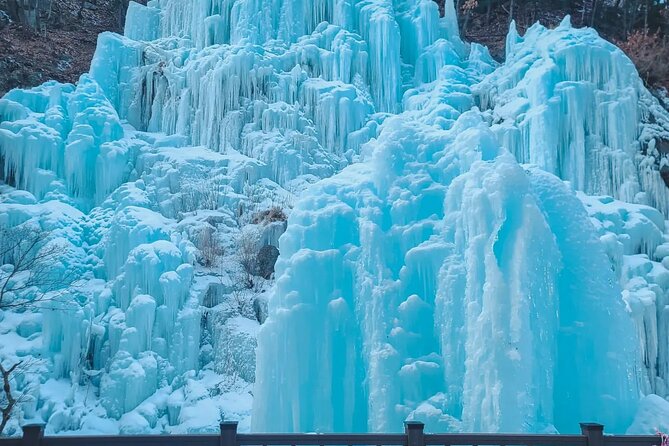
[[6, 412]]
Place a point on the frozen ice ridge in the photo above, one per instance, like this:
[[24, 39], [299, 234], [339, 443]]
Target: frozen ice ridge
[[478, 246], [463, 289]]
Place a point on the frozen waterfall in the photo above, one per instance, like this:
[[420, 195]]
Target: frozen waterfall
[[475, 245]]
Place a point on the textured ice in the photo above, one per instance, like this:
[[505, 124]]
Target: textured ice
[[474, 286], [585, 101], [634, 237], [481, 247], [451, 271], [653, 417]]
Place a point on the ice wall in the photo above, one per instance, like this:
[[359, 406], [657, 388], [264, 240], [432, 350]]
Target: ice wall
[[587, 103], [293, 76], [64, 142], [462, 285], [442, 271], [455, 288]]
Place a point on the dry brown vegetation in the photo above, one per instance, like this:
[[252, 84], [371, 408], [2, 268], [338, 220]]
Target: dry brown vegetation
[[640, 27], [59, 45], [650, 53]]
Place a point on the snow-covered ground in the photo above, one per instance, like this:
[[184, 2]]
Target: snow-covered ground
[[480, 247]]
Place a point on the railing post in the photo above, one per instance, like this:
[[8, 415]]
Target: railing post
[[228, 433], [594, 433], [414, 433], [32, 434]]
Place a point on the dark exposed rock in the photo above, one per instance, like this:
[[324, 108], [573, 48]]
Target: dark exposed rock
[[61, 47], [266, 260], [664, 172]]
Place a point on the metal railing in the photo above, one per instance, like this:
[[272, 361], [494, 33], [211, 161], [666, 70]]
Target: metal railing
[[591, 435]]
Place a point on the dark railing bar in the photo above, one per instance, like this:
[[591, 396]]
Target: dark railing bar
[[321, 439], [503, 439], [308, 442], [414, 435], [122, 440]]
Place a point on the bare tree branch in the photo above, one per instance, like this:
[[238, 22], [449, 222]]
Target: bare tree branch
[[29, 256], [9, 400], [28, 275], [8, 396]]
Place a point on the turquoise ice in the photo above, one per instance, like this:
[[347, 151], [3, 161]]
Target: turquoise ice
[[479, 246]]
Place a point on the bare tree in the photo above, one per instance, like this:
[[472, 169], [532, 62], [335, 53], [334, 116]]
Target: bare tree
[[28, 274], [648, 51], [9, 398], [245, 300]]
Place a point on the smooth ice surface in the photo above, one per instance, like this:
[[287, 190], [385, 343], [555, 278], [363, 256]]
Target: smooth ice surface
[[481, 247]]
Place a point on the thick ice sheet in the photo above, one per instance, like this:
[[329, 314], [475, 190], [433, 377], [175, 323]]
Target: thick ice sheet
[[480, 247]]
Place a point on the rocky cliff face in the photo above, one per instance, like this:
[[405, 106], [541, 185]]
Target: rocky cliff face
[[59, 46]]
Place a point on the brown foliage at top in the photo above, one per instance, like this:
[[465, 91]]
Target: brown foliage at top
[[60, 46], [650, 53], [470, 5]]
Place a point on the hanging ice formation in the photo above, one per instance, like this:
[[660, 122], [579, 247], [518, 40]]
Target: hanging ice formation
[[466, 291], [435, 267]]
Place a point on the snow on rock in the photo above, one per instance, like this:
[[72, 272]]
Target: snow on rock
[[653, 416], [479, 247]]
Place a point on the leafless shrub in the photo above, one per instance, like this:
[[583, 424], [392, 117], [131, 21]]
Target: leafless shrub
[[10, 399], [209, 246], [242, 301], [244, 282], [649, 52], [247, 255], [201, 193], [28, 256]]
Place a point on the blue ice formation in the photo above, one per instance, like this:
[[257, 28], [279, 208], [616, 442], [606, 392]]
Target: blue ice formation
[[481, 247], [478, 288]]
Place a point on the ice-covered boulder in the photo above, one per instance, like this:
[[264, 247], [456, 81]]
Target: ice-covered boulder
[[653, 417]]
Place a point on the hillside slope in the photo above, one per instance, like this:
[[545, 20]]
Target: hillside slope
[[62, 50]]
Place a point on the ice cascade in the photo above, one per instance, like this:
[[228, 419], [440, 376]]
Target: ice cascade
[[478, 246]]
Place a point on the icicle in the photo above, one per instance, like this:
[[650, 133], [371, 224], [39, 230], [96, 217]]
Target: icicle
[[512, 39]]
